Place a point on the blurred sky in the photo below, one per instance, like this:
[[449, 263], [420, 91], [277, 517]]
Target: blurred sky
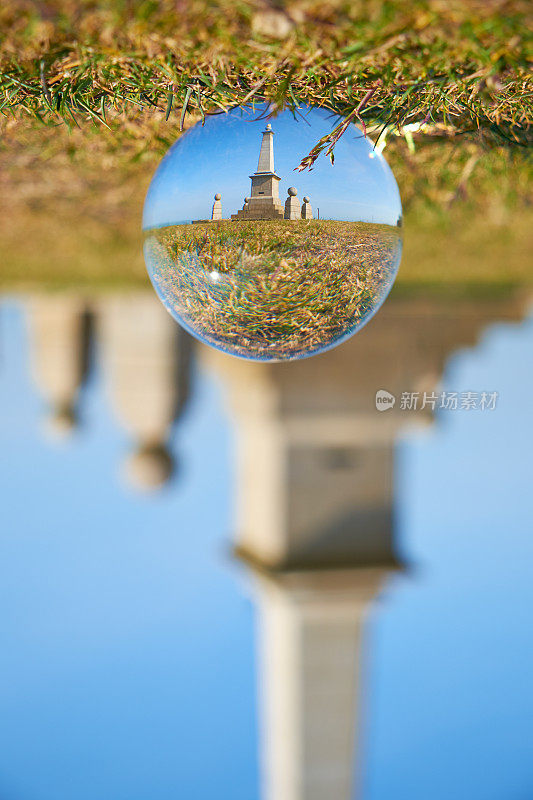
[[451, 644], [220, 156], [126, 631]]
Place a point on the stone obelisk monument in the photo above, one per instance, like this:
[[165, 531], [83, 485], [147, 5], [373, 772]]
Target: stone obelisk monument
[[264, 202]]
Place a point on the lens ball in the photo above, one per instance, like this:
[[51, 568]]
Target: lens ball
[[273, 278]]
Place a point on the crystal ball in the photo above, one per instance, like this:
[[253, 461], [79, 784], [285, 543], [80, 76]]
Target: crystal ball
[[273, 278]]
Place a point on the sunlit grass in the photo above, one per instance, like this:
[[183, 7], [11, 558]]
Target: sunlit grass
[[455, 67], [273, 289]]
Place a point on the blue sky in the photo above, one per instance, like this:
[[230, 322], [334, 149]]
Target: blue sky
[[109, 687], [127, 632], [220, 156], [451, 644]]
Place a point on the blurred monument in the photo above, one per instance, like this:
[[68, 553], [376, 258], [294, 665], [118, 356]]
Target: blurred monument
[[315, 524], [146, 359], [59, 326]]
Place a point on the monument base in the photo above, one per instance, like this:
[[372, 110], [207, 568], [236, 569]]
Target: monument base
[[260, 208]]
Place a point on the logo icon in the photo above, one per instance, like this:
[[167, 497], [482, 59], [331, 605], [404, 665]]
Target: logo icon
[[384, 400]]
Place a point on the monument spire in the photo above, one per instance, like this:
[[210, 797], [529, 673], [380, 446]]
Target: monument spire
[[266, 154]]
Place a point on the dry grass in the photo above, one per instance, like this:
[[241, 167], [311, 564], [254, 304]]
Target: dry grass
[[70, 213], [451, 68], [273, 290], [71, 203]]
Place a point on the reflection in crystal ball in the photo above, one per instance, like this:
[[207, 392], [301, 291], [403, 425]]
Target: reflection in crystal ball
[[275, 278]]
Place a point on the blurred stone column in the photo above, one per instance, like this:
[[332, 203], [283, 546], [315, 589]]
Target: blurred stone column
[[315, 526], [311, 626], [146, 358], [59, 339]]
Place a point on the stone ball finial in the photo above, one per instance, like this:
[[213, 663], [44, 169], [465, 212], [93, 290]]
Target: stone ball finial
[[292, 191], [148, 468], [218, 196], [306, 199], [61, 423]]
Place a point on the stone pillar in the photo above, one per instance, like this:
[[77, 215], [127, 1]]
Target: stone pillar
[[311, 634], [292, 205], [144, 355], [59, 340], [307, 211], [217, 208]]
